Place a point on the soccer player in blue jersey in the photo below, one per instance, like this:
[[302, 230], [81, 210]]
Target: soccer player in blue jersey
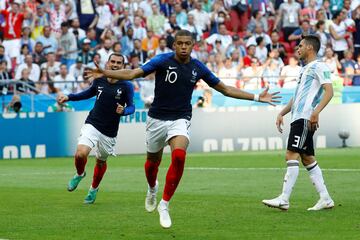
[[170, 113], [314, 91], [113, 99]]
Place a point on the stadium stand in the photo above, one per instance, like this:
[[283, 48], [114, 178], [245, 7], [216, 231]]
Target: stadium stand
[[55, 40]]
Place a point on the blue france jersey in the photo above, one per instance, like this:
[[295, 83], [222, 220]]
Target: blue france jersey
[[174, 85], [103, 116]]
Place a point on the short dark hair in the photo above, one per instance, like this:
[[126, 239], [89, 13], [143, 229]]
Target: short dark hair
[[319, 23], [64, 24], [185, 33], [118, 55], [336, 14], [255, 13], [259, 40], [312, 40]]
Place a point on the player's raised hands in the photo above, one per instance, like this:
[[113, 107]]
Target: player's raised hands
[[61, 98], [119, 109], [270, 98], [91, 74]]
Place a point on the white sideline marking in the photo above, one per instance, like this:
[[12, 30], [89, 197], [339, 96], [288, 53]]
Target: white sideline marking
[[188, 168], [268, 169]]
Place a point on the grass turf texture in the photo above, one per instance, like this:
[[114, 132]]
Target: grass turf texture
[[219, 198]]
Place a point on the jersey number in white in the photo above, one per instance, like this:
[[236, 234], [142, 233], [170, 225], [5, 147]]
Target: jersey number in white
[[296, 141], [99, 91], [170, 76]]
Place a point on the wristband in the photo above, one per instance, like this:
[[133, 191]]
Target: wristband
[[256, 97]]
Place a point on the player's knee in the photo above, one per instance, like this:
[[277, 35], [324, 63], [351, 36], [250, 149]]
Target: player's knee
[[81, 155], [307, 160], [100, 162], [154, 157]]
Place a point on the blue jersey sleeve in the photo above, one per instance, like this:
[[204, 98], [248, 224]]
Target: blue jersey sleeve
[[207, 75], [129, 99], [86, 94], [152, 65]]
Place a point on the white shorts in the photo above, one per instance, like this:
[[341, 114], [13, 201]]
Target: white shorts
[[91, 137], [159, 132]]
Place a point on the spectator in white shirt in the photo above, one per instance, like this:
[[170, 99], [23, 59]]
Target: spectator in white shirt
[[51, 65], [332, 60], [191, 27], [290, 73], [104, 17], [75, 26], [63, 81], [252, 75], [261, 51], [105, 52], [139, 31], [145, 5], [202, 18], [162, 47], [77, 70], [228, 73], [225, 38], [259, 32], [33, 68], [339, 34]]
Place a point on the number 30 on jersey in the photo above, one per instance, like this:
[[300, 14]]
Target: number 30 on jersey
[[171, 77]]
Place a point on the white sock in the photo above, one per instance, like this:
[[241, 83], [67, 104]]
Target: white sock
[[163, 202], [290, 178], [318, 180]]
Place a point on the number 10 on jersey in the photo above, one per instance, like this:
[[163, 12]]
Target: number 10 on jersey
[[171, 77]]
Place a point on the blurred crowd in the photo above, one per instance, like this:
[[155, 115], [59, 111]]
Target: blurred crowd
[[249, 44]]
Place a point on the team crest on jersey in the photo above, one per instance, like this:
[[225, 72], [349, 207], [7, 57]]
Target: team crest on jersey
[[194, 76], [118, 93]]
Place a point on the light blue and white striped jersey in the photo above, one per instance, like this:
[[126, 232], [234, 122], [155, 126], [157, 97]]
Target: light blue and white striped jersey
[[309, 90]]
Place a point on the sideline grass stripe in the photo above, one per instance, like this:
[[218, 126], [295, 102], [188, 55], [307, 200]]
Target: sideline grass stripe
[[189, 168]]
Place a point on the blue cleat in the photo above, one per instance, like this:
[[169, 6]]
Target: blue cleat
[[91, 196], [74, 182]]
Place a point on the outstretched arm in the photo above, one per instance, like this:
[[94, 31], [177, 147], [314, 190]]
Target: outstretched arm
[[86, 94], [233, 92], [123, 74]]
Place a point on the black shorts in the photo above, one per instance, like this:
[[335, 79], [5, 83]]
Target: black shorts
[[301, 138]]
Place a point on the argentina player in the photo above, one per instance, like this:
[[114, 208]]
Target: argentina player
[[170, 113], [306, 105], [113, 100]]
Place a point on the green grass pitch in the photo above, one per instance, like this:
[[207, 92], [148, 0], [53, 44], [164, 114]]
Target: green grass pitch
[[219, 197]]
